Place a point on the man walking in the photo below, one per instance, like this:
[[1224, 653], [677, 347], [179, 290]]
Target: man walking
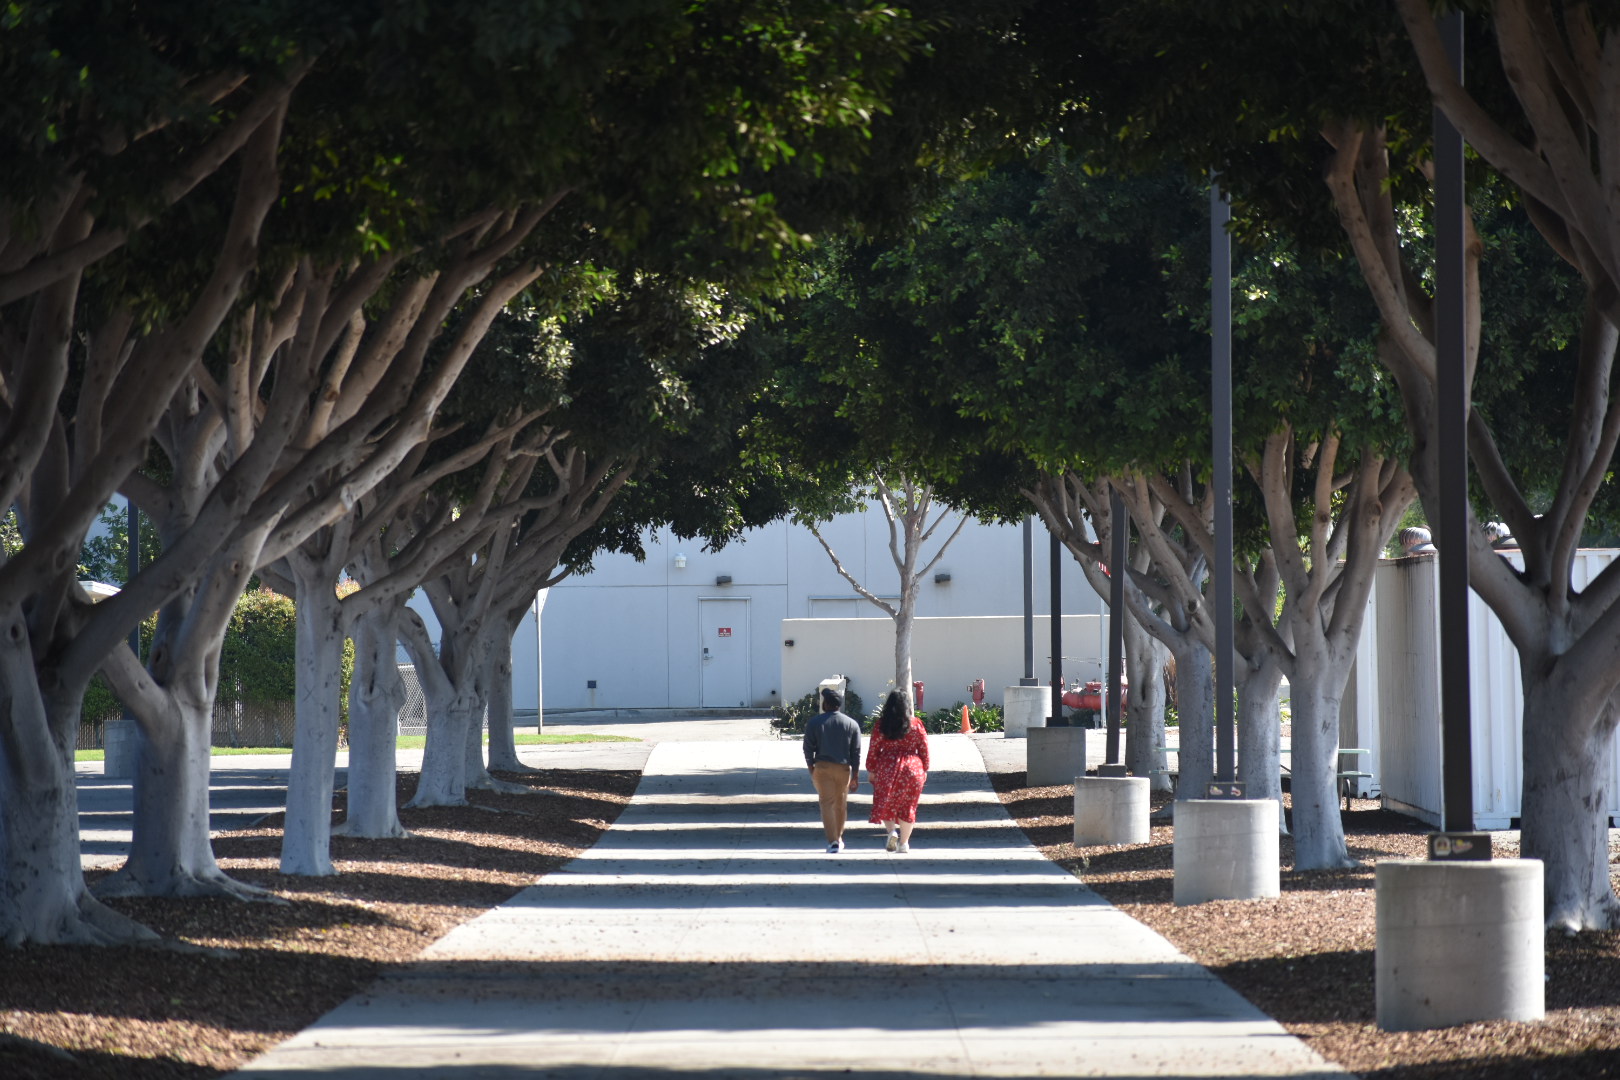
[[832, 750]]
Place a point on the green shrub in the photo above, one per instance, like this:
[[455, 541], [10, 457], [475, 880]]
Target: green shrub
[[788, 720], [257, 663], [100, 703], [949, 719]]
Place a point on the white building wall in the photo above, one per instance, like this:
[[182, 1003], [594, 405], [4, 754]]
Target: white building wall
[[525, 654], [1404, 651], [947, 654], [634, 627]]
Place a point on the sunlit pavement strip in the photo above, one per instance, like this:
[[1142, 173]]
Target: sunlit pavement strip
[[708, 933]]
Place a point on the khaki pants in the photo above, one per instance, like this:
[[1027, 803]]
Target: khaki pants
[[832, 786]]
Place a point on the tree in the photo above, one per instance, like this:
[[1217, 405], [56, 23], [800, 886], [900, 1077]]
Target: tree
[[649, 395], [318, 209], [106, 556], [1047, 284], [1288, 98], [1560, 157], [906, 504]]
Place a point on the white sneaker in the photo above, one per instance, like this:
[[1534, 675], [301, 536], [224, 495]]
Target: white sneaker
[[902, 849], [835, 847], [894, 842]]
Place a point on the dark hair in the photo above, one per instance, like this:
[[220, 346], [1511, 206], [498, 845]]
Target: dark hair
[[830, 701], [895, 719]]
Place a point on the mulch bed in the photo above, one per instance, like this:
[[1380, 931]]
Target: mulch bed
[[1306, 958], [257, 972]]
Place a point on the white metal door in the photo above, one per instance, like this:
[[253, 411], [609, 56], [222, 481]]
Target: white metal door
[[723, 636]]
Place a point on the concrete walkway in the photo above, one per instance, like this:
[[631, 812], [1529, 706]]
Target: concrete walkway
[[708, 934]]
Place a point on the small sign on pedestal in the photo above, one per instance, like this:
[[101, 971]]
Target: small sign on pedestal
[[1453, 846], [1112, 770], [1225, 789]]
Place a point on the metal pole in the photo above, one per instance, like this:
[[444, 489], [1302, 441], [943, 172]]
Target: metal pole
[[1220, 332], [132, 566], [1451, 439], [539, 667], [1117, 525], [1056, 606], [1029, 678]]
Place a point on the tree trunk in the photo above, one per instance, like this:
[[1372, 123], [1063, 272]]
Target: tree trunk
[[904, 618], [170, 850], [43, 899], [450, 712], [1565, 807], [376, 696], [1259, 731], [477, 775], [502, 747], [306, 840], [1317, 690], [1313, 765], [1195, 700], [1144, 728]]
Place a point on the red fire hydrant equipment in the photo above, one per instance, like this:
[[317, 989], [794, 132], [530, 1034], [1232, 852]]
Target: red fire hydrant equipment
[[917, 696]]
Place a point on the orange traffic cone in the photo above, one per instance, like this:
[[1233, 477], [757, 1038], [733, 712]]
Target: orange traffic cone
[[967, 728]]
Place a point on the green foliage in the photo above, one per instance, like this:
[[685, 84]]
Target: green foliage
[[789, 719], [948, 719], [100, 703], [1051, 315], [105, 557], [256, 662], [10, 534]]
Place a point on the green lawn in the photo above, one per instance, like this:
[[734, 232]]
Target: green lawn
[[406, 742]]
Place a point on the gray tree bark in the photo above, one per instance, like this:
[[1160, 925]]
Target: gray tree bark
[[376, 696], [43, 897], [1144, 728], [306, 839]]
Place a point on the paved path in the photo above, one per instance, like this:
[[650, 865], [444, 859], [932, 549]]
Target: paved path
[[708, 934], [245, 787]]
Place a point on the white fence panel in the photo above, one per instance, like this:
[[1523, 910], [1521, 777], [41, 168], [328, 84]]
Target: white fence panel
[[1398, 666]]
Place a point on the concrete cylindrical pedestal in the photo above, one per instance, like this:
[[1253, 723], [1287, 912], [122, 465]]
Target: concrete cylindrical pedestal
[[119, 742], [1459, 942], [1111, 810], [1054, 755], [1022, 708], [1226, 849]]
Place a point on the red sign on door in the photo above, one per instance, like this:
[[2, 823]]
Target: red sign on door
[[725, 631]]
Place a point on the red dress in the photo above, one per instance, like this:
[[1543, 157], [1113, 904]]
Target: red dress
[[898, 768]]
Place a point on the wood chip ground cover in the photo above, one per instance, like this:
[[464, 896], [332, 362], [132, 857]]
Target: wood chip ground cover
[[257, 973], [254, 974], [1306, 958]]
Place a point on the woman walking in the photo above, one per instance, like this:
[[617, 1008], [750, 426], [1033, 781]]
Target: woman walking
[[897, 762]]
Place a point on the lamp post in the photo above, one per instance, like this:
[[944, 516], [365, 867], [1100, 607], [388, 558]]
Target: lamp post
[[1459, 938], [1056, 605], [1220, 329]]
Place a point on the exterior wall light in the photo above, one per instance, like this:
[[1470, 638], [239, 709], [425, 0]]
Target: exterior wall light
[[723, 579], [680, 561], [942, 577]]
